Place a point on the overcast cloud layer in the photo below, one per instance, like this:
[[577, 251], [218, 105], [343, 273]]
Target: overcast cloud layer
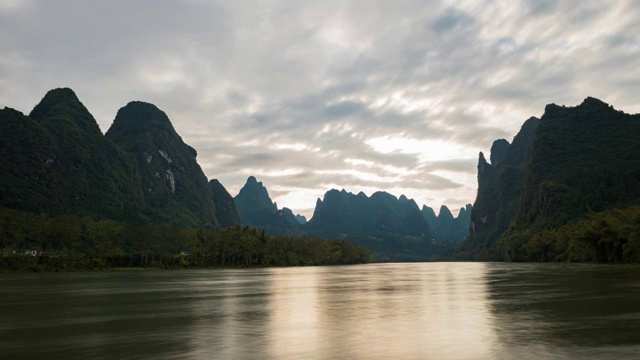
[[312, 95]]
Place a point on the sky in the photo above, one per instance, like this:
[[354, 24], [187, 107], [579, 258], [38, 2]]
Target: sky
[[398, 96]]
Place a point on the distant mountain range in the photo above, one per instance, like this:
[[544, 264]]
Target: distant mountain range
[[393, 228], [445, 226], [256, 209]]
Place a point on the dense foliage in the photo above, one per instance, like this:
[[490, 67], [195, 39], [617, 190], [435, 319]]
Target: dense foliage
[[608, 236], [226, 210], [567, 197], [498, 199], [70, 242], [174, 187], [399, 248], [27, 153], [585, 159], [57, 161]]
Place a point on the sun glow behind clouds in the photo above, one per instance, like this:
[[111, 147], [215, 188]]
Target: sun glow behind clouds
[[260, 173], [165, 74], [295, 147], [427, 150], [406, 103], [367, 176]]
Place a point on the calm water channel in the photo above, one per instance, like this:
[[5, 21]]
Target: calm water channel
[[376, 311]]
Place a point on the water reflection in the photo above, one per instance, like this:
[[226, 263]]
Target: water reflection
[[230, 313], [400, 311], [566, 311], [294, 326], [380, 311]]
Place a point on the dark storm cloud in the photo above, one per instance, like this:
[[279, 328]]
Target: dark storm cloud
[[296, 91]]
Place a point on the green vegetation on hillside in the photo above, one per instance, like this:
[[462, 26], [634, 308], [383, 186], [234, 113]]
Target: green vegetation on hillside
[[226, 210], [175, 189], [498, 199], [569, 195], [608, 236], [57, 161], [401, 248], [585, 159], [70, 243]]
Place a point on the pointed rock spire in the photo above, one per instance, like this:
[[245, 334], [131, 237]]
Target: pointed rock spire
[[498, 151]]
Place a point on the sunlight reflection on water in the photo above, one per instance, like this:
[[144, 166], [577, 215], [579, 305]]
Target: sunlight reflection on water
[[375, 311]]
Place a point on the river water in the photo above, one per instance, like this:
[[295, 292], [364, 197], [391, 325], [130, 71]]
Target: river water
[[374, 311]]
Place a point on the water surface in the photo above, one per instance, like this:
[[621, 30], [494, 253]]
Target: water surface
[[375, 311]]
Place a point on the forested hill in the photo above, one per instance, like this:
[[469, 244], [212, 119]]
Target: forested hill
[[571, 195], [566, 188], [72, 198], [499, 186], [226, 210], [174, 186], [57, 161]]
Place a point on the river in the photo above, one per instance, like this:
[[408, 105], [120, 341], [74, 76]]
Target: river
[[374, 311]]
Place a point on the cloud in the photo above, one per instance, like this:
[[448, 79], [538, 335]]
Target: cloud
[[541, 7], [451, 19], [289, 91]]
